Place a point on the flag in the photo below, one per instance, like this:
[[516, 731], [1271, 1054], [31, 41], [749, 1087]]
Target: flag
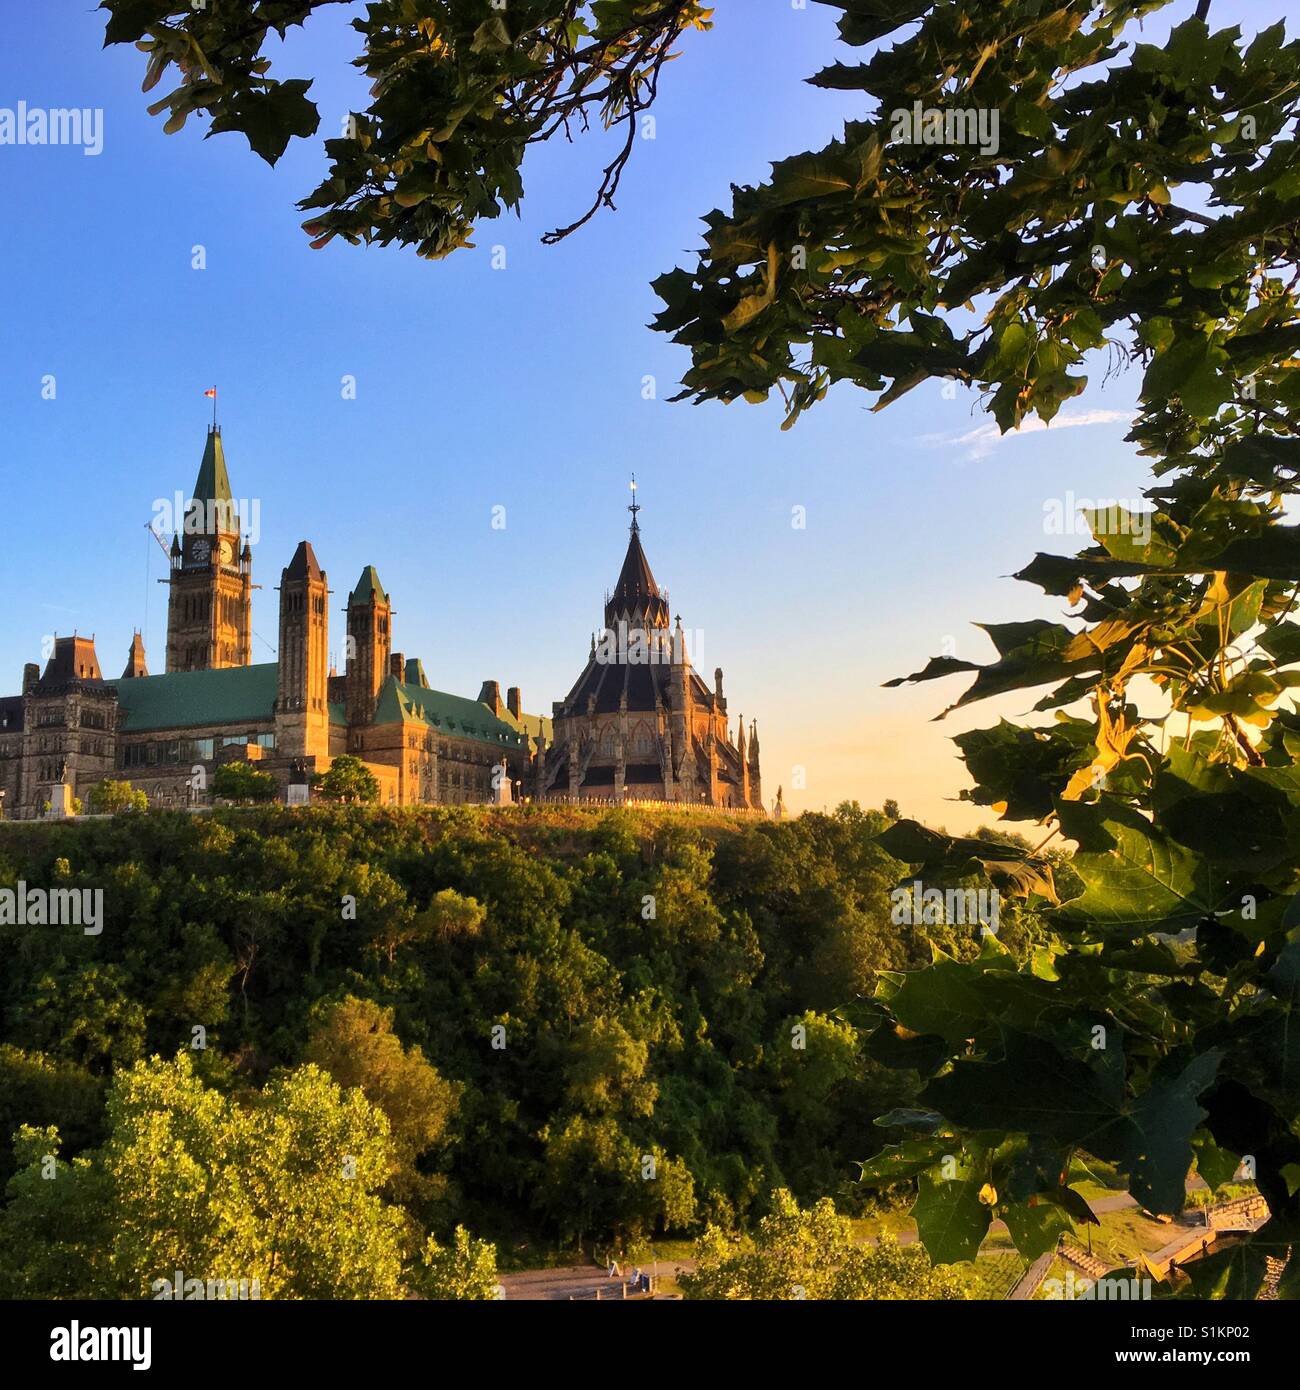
[[211, 391]]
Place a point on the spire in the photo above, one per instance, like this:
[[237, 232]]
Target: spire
[[634, 508], [135, 664], [740, 737], [367, 586], [303, 565], [636, 596], [680, 656], [213, 482]]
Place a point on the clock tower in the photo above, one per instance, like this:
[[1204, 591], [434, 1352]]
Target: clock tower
[[209, 608]]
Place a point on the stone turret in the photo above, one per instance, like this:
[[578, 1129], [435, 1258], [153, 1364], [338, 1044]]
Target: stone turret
[[755, 794], [135, 662], [369, 614], [302, 698]]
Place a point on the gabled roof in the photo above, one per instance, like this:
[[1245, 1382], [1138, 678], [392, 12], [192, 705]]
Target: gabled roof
[[367, 585], [188, 699], [452, 715], [213, 483], [530, 724]]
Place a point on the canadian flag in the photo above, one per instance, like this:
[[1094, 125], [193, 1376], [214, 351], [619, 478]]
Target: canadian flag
[[211, 391]]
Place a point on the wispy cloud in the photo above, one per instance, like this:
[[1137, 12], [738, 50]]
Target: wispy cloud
[[980, 442]]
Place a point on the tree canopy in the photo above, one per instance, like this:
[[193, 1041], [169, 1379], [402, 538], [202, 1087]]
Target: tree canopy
[[460, 90], [348, 779], [241, 781], [542, 1059]]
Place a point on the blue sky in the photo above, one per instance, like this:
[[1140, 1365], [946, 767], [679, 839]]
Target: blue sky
[[519, 388]]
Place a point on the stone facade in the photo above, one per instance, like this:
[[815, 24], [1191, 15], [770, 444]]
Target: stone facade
[[639, 724], [167, 735]]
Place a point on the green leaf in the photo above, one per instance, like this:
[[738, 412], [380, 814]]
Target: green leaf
[[1216, 1166], [1036, 1090], [1037, 1229], [270, 118], [1137, 878], [951, 1219]]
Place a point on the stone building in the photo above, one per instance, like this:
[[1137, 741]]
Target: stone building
[[639, 724], [166, 734]]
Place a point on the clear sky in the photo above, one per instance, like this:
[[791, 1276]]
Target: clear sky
[[519, 387]]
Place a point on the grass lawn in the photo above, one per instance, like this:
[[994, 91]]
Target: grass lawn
[[992, 1275], [1125, 1234]]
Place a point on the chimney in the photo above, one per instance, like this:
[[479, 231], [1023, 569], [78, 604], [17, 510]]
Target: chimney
[[397, 665], [490, 695], [514, 703], [31, 675]]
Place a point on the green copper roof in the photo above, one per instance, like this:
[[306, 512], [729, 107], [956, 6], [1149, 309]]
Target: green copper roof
[[452, 715], [245, 695], [367, 585], [531, 724], [415, 672], [188, 699], [213, 483]]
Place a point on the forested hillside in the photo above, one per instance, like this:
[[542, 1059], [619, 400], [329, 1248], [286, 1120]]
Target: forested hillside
[[579, 1026]]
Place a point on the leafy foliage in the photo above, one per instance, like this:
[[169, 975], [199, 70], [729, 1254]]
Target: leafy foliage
[[280, 1191], [464, 1270], [353, 1041], [1154, 1022], [796, 1254], [460, 89], [487, 984], [111, 798], [348, 779], [1140, 202], [241, 781]]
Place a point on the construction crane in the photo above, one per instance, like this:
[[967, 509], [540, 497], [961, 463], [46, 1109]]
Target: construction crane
[[148, 526]]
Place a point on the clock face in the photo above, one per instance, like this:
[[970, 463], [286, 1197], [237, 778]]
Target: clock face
[[227, 553], [201, 551]]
